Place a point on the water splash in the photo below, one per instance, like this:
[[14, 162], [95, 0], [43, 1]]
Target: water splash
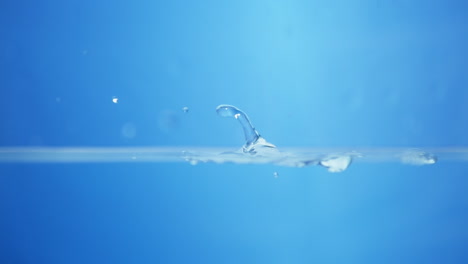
[[254, 142], [257, 146]]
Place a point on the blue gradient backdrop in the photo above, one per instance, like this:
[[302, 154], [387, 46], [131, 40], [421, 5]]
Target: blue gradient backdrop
[[308, 73]]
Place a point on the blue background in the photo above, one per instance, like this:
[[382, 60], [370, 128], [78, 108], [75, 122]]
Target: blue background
[[308, 73]]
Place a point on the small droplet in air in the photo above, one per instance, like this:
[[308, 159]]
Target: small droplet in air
[[115, 99], [275, 174], [185, 109]]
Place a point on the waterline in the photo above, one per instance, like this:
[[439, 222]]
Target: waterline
[[298, 157]]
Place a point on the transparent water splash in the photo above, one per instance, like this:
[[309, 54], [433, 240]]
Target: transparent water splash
[[253, 141], [257, 146]]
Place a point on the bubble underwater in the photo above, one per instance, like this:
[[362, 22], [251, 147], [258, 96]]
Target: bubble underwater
[[256, 150]]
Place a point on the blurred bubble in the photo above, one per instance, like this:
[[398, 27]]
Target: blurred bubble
[[36, 140], [393, 98], [128, 130], [173, 68], [185, 109], [115, 99], [168, 121], [289, 31], [356, 99]]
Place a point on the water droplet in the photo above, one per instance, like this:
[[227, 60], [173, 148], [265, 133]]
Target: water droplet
[[275, 174], [418, 157], [185, 109], [115, 100], [336, 163]]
